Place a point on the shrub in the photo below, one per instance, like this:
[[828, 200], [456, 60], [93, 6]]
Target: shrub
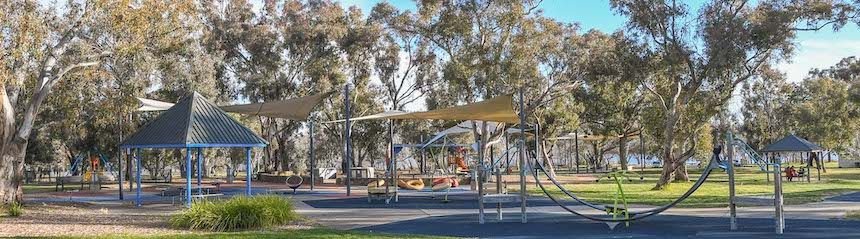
[[236, 213], [14, 209]]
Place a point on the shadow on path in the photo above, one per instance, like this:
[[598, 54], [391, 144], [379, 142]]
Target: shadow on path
[[552, 225]]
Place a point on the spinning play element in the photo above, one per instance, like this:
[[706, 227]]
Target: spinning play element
[[414, 184], [294, 182]]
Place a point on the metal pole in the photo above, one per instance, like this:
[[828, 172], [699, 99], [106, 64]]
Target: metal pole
[[392, 161], [248, 170], [576, 148], [498, 169], [188, 177], [642, 151], [199, 166], [119, 167], [311, 153], [480, 172], [730, 168], [522, 165], [777, 199], [137, 159], [346, 138]]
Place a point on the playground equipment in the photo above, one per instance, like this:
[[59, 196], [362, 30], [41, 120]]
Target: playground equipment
[[294, 182], [414, 184], [628, 216]]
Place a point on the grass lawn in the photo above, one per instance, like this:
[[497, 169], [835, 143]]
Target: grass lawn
[[714, 193], [38, 188], [297, 233]]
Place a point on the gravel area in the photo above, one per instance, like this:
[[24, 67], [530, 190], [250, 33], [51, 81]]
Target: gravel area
[[82, 219]]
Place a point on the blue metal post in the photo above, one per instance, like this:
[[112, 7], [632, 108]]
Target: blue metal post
[[248, 171], [137, 159], [188, 177], [199, 166], [119, 161]]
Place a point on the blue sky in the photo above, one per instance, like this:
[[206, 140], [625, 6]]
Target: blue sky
[[814, 49]]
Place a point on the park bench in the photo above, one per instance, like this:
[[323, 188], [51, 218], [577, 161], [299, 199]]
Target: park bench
[[62, 181]]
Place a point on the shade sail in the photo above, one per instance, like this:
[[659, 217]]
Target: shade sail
[[153, 105], [792, 143], [295, 109], [498, 109], [193, 122], [462, 127]]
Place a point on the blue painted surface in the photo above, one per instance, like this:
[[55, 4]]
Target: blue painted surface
[[554, 225], [188, 177], [248, 172], [137, 159], [199, 169]]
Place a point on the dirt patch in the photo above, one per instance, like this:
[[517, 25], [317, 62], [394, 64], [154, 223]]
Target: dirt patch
[[80, 219]]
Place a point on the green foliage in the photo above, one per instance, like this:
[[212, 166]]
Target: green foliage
[[236, 213], [14, 209]]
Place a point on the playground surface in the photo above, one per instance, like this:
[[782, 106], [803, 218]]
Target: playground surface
[[86, 214], [420, 214]]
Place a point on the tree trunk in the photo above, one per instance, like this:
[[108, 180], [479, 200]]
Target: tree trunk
[[622, 151], [12, 172], [547, 159], [681, 171]]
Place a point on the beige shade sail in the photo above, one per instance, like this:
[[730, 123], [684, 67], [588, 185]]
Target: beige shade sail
[[153, 105], [295, 109], [498, 109]]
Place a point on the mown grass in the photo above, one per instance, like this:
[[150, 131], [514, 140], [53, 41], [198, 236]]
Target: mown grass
[[714, 193], [318, 233]]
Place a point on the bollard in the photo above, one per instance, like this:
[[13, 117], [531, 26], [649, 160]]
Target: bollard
[[777, 199]]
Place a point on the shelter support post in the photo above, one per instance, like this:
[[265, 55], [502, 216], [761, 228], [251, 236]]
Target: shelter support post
[[248, 171], [777, 199], [119, 168], [480, 173], [730, 169], [522, 165], [311, 153], [199, 166], [498, 170], [137, 199], [188, 177]]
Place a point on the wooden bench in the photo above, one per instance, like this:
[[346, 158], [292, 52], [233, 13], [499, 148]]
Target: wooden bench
[[62, 181], [799, 175]]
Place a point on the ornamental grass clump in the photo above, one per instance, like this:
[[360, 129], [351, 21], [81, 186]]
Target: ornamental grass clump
[[14, 209], [237, 213]]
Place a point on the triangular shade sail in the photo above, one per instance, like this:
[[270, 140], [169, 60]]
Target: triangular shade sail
[[193, 122], [153, 105], [295, 109], [498, 109], [792, 143]]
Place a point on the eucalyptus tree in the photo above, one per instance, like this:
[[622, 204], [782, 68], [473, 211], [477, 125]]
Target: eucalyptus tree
[[492, 48], [701, 55], [611, 94], [767, 108], [43, 44]]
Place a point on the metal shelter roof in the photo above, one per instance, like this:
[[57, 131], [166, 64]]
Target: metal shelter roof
[[193, 122], [792, 143]]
